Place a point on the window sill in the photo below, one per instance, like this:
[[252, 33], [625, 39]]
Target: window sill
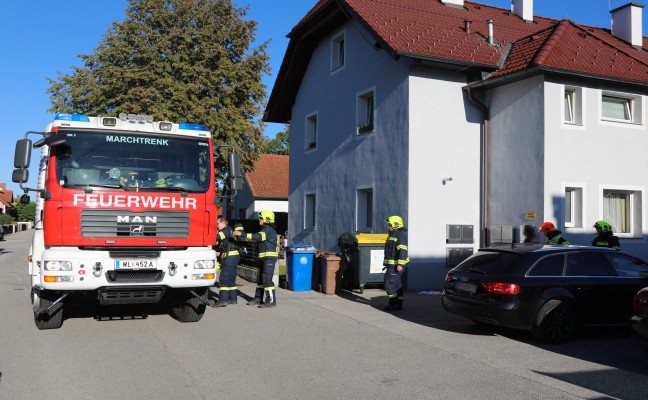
[[621, 121]]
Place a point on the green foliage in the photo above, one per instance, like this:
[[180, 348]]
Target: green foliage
[[279, 145], [177, 60], [25, 212], [6, 219]]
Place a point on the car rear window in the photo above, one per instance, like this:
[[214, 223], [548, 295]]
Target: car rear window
[[490, 262]]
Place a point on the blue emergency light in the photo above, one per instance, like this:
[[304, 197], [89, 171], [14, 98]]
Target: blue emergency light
[[193, 127], [71, 117]]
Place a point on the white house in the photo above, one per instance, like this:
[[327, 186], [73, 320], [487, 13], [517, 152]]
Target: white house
[[467, 120]]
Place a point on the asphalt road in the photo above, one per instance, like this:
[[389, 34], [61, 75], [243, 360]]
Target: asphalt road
[[311, 346]]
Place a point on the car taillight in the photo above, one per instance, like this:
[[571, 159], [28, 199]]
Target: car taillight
[[500, 287], [448, 278], [641, 303]]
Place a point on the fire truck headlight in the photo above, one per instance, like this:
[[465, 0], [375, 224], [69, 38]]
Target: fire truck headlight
[[58, 266], [204, 264]]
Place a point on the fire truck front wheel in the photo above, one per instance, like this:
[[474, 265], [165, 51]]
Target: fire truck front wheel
[[53, 319], [188, 308]]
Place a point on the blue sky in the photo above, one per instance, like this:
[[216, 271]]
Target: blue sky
[[39, 38]]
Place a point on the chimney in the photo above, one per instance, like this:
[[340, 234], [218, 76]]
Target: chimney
[[491, 36], [453, 3], [523, 9], [626, 23]]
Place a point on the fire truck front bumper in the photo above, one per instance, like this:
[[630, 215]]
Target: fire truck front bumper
[[75, 269]]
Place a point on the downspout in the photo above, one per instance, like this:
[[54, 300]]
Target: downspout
[[483, 201]]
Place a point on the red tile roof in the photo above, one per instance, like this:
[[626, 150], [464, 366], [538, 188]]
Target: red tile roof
[[568, 46], [269, 180], [6, 196], [431, 30]]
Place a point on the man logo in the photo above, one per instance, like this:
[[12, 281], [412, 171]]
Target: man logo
[[136, 219], [137, 229]]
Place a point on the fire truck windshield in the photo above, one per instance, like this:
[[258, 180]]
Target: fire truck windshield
[[132, 161]]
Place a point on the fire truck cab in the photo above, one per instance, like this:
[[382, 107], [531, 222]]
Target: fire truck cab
[[125, 214]]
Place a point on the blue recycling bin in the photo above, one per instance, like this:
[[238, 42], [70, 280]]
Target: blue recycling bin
[[299, 266]]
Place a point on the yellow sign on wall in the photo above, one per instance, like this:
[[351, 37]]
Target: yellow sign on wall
[[530, 215]]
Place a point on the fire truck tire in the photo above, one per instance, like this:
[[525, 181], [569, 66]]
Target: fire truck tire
[[54, 319], [188, 308]]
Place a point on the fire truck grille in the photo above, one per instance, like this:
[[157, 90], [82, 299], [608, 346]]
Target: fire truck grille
[[135, 253], [118, 223], [131, 295], [134, 276]]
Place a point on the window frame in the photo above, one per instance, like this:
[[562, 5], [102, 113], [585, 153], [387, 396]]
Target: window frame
[[362, 207], [633, 213], [338, 52], [310, 211], [575, 194], [366, 111], [632, 105], [311, 128]]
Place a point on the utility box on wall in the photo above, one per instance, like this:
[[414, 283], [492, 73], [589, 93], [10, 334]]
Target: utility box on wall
[[459, 234], [455, 255], [501, 234]]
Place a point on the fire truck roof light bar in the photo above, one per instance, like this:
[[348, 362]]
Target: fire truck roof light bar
[[193, 127], [71, 117]]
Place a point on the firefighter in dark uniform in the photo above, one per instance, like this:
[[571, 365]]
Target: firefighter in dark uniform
[[268, 254], [606, 237], [396, 261], [228, 249], [554, 236]]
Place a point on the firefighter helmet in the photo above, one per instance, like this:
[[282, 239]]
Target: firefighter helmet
[[603, 225], [238, 227], [547, 228], [395, 221], [267, 216]]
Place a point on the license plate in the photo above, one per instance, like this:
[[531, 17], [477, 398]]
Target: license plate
[[466, 287], [135, 264]]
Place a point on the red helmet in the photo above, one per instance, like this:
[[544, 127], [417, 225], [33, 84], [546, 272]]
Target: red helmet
[[547, 228]]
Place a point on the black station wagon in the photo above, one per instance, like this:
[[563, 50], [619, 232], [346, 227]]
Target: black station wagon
[[549, 290]]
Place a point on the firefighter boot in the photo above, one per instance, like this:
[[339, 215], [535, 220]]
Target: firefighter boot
[[232, 296], [399, 303], [222, 299], [271, 299], [258, 294], [393, 305]]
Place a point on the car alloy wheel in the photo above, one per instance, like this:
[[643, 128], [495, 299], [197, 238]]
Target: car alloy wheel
[[556, 322]]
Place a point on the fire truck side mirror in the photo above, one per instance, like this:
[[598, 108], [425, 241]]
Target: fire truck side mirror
[[235, 184], [22, 155], [234, 165], [20, 175]]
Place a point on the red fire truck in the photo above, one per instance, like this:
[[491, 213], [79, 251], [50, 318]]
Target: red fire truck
[[125, 214]]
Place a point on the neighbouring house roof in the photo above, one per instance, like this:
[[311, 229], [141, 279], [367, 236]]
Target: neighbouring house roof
[[6, 196], [269, 180], [432, 32]]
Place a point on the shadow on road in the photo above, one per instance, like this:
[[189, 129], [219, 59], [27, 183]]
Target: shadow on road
[[607, 346]]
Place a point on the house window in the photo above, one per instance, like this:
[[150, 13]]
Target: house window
[[622, 210], [364, 210], [573, 106], [573, 207], [309, 212], [338, 51], [365, 112], [621, 108], [311, 132]]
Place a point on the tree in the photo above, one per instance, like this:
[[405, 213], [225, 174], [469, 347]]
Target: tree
[[24, 212], [279, 145], [177, 60]]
